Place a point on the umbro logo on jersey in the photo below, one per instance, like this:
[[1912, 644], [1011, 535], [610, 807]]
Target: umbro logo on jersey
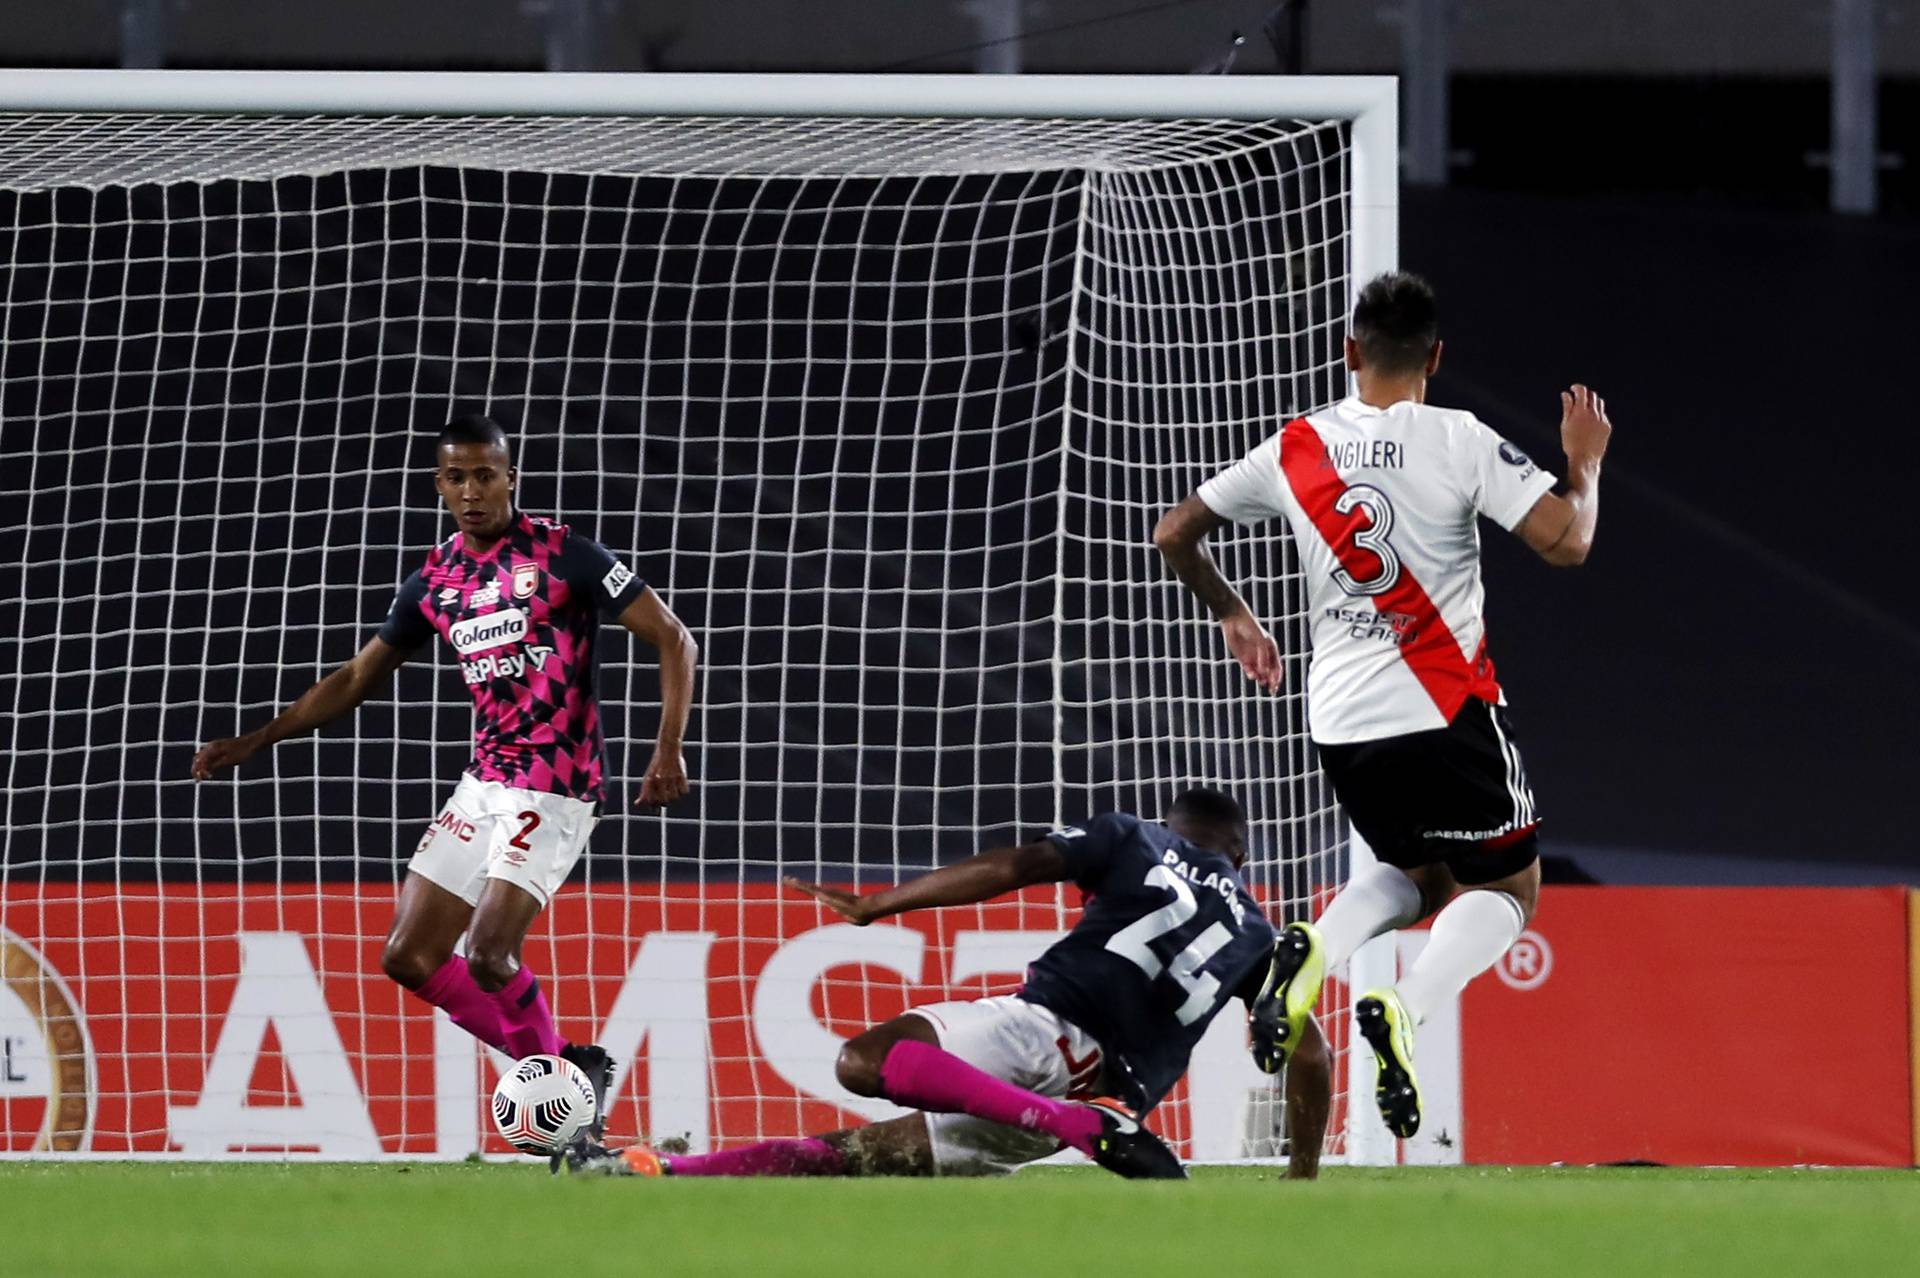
[[477, 634], [449, 595], [616, 580]]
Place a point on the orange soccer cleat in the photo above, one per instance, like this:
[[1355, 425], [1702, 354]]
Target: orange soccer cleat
[[641, 1161]]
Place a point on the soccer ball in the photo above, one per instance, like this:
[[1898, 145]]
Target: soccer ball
[[542, 1103]]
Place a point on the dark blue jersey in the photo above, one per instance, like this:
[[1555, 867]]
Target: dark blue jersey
[[1169, 935]]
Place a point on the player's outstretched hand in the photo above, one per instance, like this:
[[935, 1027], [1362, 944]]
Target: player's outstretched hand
[[1254, 649], [1584, 428], [848, 905], [216, 756], [666, 780]]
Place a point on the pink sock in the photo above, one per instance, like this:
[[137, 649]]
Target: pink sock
[[808, 1156], [466, 1004], [920, 1076], [526, 1026]]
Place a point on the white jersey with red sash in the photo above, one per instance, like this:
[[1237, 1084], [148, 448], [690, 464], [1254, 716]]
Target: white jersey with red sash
[[1383, 505]]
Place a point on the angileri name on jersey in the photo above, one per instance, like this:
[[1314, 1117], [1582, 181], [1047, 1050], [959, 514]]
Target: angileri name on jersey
[[1353, 454]]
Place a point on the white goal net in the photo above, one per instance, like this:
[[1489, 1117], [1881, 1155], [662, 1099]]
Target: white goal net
[[885, 408]]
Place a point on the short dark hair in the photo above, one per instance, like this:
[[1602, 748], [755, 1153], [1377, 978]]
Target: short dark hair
[[1396, 322], [474, 428], [1210, 807]]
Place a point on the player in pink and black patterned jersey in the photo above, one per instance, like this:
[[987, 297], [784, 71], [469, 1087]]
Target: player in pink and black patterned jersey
[[519, 600]]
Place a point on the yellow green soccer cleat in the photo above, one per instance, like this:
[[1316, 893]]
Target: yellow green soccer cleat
[[1279, 1015], [1388, 1029]]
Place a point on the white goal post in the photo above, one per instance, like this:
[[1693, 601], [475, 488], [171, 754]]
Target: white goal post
[[879, 379]]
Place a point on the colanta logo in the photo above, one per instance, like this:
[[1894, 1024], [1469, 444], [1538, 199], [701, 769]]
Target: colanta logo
[[45, 1056], [477, 634]]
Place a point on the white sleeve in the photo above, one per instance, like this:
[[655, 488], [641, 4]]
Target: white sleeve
[[1249, 490], [1502, 482]]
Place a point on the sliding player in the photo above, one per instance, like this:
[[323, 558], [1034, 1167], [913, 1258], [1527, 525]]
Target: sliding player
[[1381, 492], [1169, 935], [519, 600]]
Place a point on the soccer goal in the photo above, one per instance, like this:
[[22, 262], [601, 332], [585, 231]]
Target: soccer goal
[[881, 381]]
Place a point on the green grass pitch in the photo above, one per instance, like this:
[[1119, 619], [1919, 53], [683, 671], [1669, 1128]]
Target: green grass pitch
[[466, 1219]]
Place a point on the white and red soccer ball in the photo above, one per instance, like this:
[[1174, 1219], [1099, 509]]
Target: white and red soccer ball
[[542, 1103]]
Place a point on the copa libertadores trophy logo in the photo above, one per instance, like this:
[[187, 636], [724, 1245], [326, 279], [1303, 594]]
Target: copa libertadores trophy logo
[[46, 1059]]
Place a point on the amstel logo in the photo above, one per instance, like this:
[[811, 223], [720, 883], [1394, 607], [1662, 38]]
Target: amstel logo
[[46, 1059]]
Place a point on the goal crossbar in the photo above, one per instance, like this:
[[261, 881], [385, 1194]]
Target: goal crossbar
[[1370, 102], [1147, 97]]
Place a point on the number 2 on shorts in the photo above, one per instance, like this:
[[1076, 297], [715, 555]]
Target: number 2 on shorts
[[519, 840]]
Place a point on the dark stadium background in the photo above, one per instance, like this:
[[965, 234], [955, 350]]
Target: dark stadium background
[[1726, 693]]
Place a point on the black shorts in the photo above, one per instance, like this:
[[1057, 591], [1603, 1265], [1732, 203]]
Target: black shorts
[[1457, 795]]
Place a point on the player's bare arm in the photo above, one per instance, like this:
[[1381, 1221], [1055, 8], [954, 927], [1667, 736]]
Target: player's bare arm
[[978, 878], [1309, 1101], [342, 690], [1285, 1039], [1560, 529], [1181, 538], [649, 619]]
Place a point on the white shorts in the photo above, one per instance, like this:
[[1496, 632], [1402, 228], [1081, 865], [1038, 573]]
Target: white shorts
[[493, 831], [1020, 1043]]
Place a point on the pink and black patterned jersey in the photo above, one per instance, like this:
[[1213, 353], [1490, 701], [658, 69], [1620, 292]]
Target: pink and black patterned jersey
[[521, 617]]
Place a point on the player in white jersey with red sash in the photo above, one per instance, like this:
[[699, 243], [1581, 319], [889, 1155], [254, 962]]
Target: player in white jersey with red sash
[[1383, 493]]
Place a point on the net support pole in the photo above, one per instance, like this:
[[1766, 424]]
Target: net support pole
[[1058, 666]]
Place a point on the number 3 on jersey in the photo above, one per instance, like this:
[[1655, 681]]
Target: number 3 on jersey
[[1372, 539], [1133, 944]]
